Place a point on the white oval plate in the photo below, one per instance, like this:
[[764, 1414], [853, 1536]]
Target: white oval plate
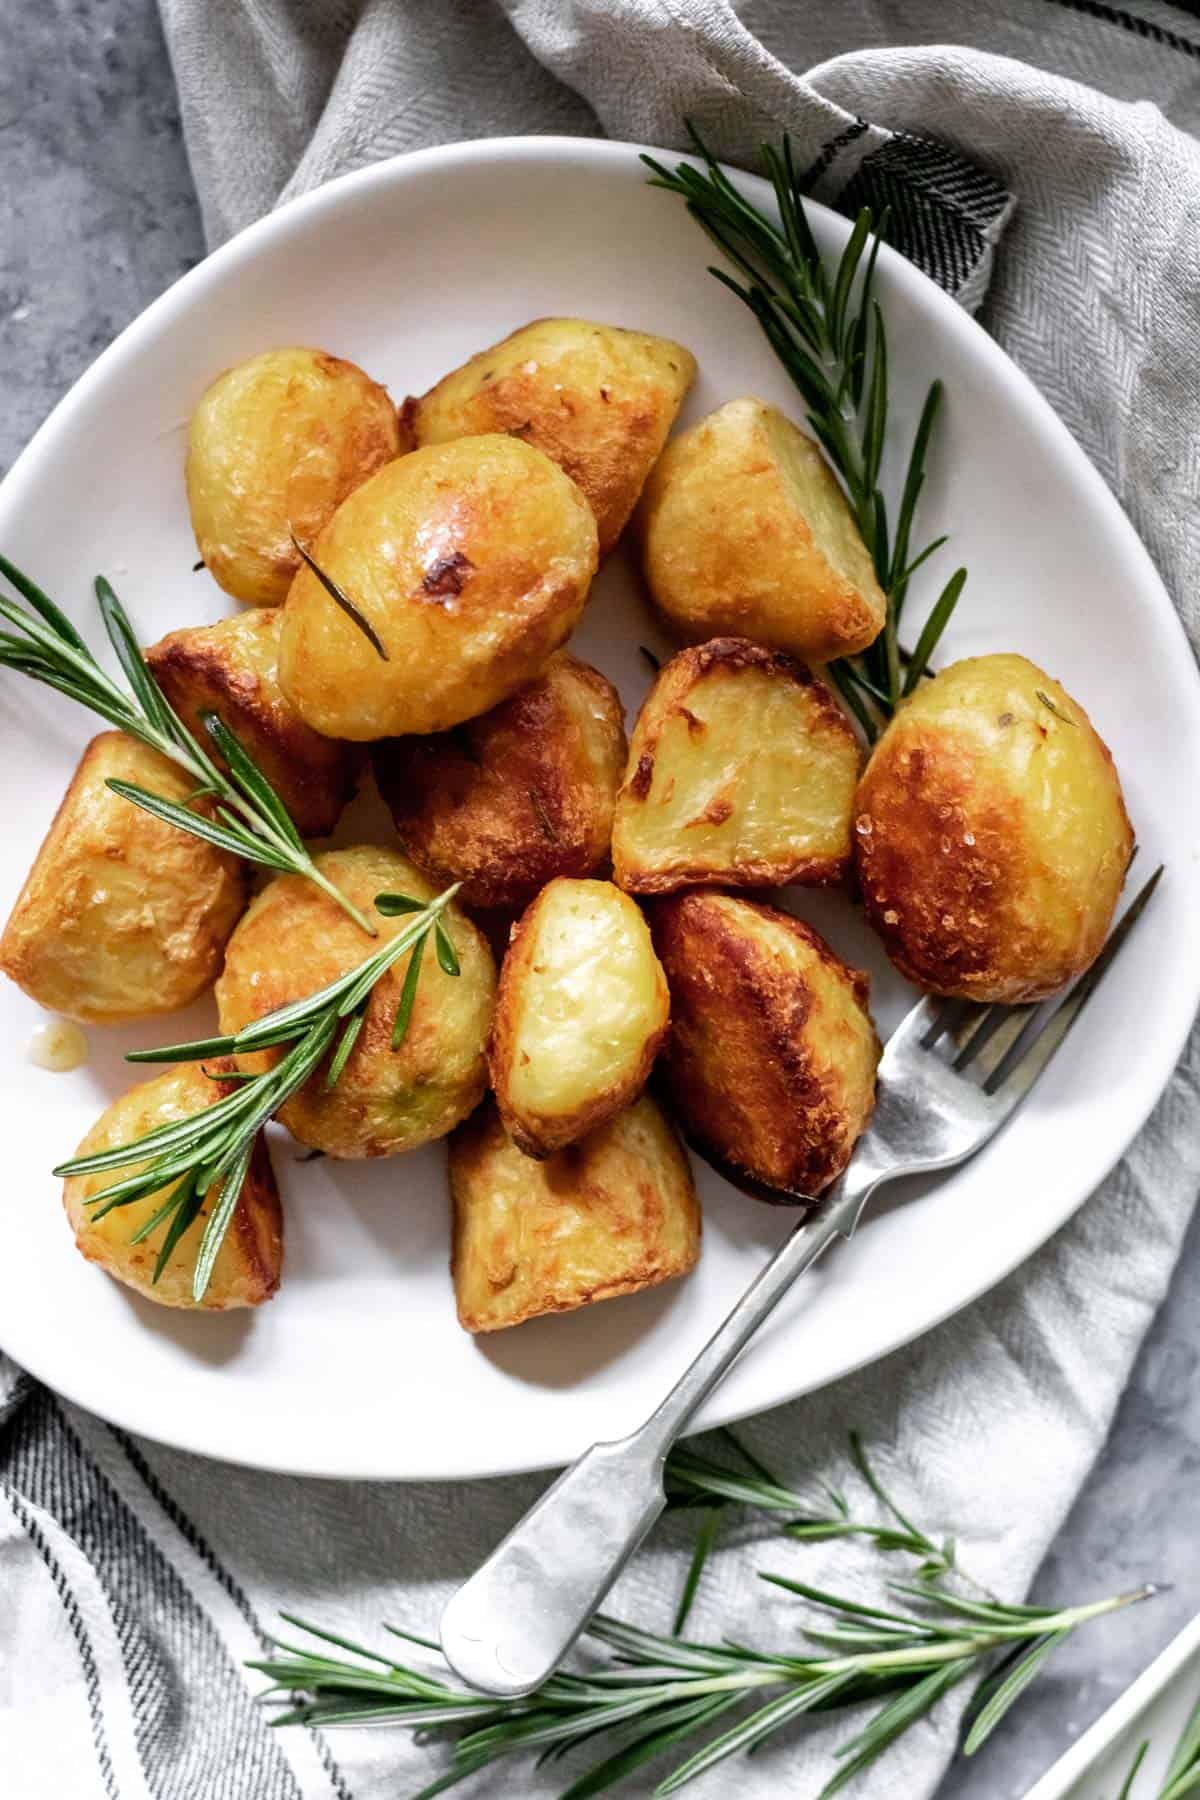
[[358, 1367]]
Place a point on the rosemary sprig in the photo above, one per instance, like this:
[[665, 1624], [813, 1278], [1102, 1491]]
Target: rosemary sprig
[[1183, 1771], [250, 820], [693, 1480], [828, 331], [653, 1692], [211, 1150]]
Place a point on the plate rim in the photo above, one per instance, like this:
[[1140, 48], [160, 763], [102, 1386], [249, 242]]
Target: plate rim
[[618, 156]]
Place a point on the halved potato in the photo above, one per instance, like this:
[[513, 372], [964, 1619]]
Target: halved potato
[[741, 773], [598, 399], [232, 668], [471, 561], [274, 446], [294, 939], [248, 1264], [771, 1060], [745, 531], [122, 916], [607, 1216], [517, 796], [991, 836], [581, 1011]]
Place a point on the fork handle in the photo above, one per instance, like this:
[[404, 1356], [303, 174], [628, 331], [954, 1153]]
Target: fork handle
[[509, 1626]]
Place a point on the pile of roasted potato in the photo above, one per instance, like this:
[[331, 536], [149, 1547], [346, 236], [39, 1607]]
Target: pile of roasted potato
[[986, 835]]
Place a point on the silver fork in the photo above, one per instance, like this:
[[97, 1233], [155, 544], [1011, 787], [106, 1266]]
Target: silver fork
[[951, 1074]]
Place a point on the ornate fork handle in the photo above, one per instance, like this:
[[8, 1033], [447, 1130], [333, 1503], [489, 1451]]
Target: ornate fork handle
[[511, 1624]]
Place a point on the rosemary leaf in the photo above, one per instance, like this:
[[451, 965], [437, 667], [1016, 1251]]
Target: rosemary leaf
[[346, 1044], [342, 599], [446, 954], [1009, 1690], [251, 780], [706, 1539], [408, 995]]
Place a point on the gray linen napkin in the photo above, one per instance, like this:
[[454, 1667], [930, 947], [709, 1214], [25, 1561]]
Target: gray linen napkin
[[138, 1576]]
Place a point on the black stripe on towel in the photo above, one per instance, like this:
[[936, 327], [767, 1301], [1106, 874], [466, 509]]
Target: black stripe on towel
[[79, 1631], [220, 1574], [939, 205], [199, 1732]]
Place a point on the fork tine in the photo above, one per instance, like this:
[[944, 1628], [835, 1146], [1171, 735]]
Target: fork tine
[[948, 1017], [1042, 1034]]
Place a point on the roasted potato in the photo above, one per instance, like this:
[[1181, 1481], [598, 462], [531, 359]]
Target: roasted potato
[[471, 561], [247, 1267], [232, 668], [991, 836], [517, 796], [294, 940], [274, 447], [604, 1217], [599, 400], [745, 531], [741, 773], [581, 1011], [770, 1064], [122, 916]]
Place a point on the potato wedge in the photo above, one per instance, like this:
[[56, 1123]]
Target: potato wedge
[[232, 668], [991, 836], [122, 916], [581, 1011], [770, 1065], [607, 1216], [248, 1264], [517, 796], [274, 447], [741, 773], [294, 939], [598, 399], [471, 561], [746, 532]]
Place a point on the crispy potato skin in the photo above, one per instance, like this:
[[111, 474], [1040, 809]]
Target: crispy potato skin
[[232, 668], [472, 561], [248, 1264], [599, 400], [275, 445], [746, 532], [122, 916], [608, 1216], [991, 837], [770, 1064], [581, 1011], [741, 773], [517, 796], [294, 939]]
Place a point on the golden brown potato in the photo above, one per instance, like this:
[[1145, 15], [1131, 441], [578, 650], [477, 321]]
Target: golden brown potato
[[991, 836], [605, 1217], [232, 668], [746, 531], [525, 792], [294, 940], [470, 560], [581, 1011], [741, 773], [274, 447], [770, 1064], [247, 1266], [598, 399], [122, 916]]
